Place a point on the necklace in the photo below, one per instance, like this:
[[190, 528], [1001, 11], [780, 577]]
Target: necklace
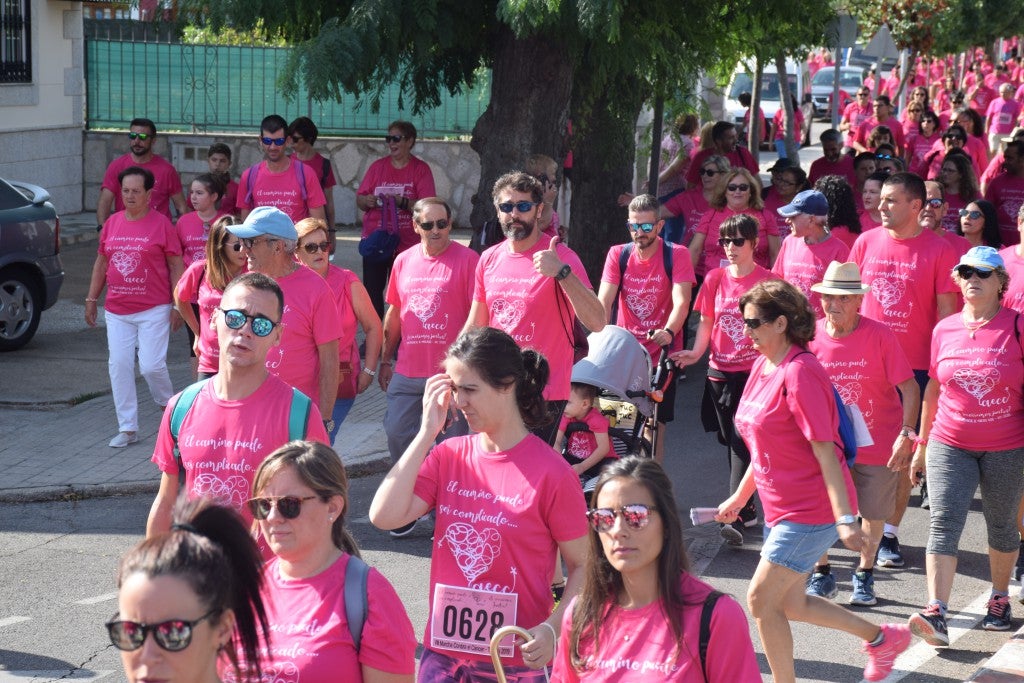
[[972, 328]]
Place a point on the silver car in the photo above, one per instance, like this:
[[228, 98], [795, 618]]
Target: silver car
[[850, 79], [31, 272]]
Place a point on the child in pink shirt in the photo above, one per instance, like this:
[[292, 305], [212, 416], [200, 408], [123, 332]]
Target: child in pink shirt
[[586, 448]]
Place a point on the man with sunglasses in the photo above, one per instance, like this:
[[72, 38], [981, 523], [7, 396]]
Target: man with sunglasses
[[645, 299], [534, 289], [855, 114], [239, 416], [278, 180], [166, 186], [882, 117], [930, 218]]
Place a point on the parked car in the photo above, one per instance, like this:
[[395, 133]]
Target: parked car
[[742, 81], [850, 79], [31, 272]]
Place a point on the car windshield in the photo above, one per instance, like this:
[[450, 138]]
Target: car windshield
[[769, 85], [847, 79], [11, 198]]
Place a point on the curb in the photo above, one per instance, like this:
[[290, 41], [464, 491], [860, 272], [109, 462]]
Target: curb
[[1007, 664]]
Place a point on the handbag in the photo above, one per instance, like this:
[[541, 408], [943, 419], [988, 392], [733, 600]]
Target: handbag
[[380, 245]]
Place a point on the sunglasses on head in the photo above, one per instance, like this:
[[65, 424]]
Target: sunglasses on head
[[742, 187], [393, 138], [313, 247], [709, 172], [754, 323], [235, 320], [440, 224], [965, 272], [636, 516], [973, 215], [138, 136], [172, 635], [288, 506], [734, 241], [641, 227], [521, 207], [273, 141], [935, 202]]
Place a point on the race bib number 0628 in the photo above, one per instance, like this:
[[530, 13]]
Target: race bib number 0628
[[464, 619]]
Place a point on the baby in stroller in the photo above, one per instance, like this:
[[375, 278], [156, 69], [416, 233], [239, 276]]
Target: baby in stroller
[[582, 437]]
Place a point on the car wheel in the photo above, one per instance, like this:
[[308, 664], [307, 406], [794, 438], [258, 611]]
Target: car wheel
[[20, 308]]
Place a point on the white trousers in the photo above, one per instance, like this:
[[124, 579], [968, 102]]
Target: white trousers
[[148, 332]]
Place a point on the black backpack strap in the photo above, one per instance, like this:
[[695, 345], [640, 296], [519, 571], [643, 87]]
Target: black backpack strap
[[705, 629], [357, 573], [624, 255], [324, 171]]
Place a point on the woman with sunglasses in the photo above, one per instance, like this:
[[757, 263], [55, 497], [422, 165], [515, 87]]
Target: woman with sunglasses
[[976, 145], [639, 601], [842, 221], [188, 598], [732, 356], [960, 185], [972, 433], [400, 176], [354, 306], [921, 141], [505, 503], [980, 225], [786, 184], [201, 286], [694, 202], [300, 498], [739, 194], [955, 137], [788, 417]]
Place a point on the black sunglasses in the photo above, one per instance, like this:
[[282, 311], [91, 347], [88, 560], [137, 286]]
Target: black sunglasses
[[393, 138], [234, 246], [172, 635], [273, 141], [709, 172], [288, 506], [735, 241], [440, 224], [522, 207], [965, 272], [635, 515], [742, 187], [754, 323], [973, 215], [138, 136], [313, 247], [235, 319]]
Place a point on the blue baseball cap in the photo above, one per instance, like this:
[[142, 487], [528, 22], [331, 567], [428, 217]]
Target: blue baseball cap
[[266, 220], [982, 258], [811, 202]]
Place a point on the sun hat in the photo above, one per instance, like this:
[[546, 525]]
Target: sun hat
[[841, 279], [266, 220], [810, 202], [981, 258], [1015, 134]]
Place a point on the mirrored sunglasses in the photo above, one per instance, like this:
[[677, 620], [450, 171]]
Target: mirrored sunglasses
[[273, 141], [521, 207], [641, 227], [138, 136], [973, 215], [635, 516], [172, 635], [235, 319]]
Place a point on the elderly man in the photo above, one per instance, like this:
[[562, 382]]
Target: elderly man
[[307, 357], [640, 294], [1000, 118], [532, 290], [725, 141], [226, 425], [833, 161]]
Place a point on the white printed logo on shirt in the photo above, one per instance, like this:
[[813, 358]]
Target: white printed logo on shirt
[[126, 262], [507, 313], [888, 292], [424, 307], [231, 492], [849, 393], [977, 383], [474, 551], [641, 305], [1011, 207], [733, 327]]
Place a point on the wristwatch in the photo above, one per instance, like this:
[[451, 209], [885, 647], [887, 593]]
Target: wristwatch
[[329, 425], [846, 520], [368, 371], [564, 272], [909, 433]]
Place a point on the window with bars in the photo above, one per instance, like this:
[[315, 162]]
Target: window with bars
[[15, 41]]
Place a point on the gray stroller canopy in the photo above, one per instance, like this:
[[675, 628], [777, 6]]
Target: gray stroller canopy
[[617, 364]]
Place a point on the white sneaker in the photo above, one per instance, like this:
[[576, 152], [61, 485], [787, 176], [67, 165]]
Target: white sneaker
[[123, 439]]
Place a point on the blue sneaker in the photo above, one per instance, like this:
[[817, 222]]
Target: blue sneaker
[[863, 589], [999, 617], [822, 585], [889, 554]]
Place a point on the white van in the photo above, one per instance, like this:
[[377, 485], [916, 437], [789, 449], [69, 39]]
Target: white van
[[742, 81]]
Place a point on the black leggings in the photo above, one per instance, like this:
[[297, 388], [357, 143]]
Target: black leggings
[[375, 279], [722, 393]]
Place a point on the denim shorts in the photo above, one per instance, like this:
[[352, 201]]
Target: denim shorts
[[797, 546]]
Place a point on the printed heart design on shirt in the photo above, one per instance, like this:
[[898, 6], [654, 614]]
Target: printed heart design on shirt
[[733, 327], [474, 550], [424, 307], [507, 313], [641, 306], [232, 492], [1011, 207], [126, 261], [849, 393], [578, 448], [887, 292], [977, 383]]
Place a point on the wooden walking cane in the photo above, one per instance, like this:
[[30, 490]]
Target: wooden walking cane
[[500, 635]]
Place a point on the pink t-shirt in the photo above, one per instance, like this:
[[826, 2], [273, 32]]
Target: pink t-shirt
[[977, 148], [822, 167], [779, 123], [340, 281], [865, 367], [414, 180], [778, 426], [906, 277], [803, 264], [995, 167], [918, 147], [193, 231], [138, 277], [282, 190], [856, 115], [531, 307], [843, 234], [227, 202], [865, 129], [500, 518], [983, 97], [1006, 192], [309, 633], [638, 644], [691, 205], [867, 222], [222, 443], [738, 158], [1002, 115], [433, 295], [719, 299], [166, 182], [981, 405], [645, 300], [1014, 262], [582, 444], [194, 288], [713, 255], [310, 320], [951, 220], [315, 164]]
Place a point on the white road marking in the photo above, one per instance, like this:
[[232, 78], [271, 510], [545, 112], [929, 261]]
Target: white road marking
[[97, 599], [61, 674], [13, 620]]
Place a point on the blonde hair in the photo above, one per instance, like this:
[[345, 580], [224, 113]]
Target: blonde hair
[[308, 225], [718, 200]]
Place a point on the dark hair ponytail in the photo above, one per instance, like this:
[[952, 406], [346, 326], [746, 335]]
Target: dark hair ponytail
[[530, 390]]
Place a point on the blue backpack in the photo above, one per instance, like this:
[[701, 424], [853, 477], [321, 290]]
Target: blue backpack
[[846, 431]]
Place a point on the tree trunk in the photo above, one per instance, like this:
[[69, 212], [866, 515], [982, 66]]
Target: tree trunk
[[755, 133], [531, 84], [786, 101]]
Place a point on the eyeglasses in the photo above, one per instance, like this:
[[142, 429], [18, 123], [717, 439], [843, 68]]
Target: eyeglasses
[[440, 224], [954, 138], [173, 635], [521, 207], [297, 138], [883, 156], [754, 323], [273, 141], [250, 242], [743, 187], [966, 272], [138, 136], [235, 319], [973, 215], [863, 94], [735, 241], [636, 516], [288, 506], [935, 202], [394, 138], [234, 246], [641, 227], [914, 111], [313, 247], [709, 172]]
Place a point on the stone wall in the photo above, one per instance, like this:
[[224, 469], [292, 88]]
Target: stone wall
[[456, 167]]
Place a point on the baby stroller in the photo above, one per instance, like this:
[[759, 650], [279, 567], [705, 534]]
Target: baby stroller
[[629, 389]]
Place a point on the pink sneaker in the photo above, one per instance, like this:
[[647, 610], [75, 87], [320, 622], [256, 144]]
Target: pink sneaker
[[882, 657]]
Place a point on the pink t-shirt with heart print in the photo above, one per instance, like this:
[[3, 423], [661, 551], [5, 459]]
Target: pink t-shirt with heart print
[[719, 299], [433, 295], [803, 265], [138, 277], [981, 404]]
